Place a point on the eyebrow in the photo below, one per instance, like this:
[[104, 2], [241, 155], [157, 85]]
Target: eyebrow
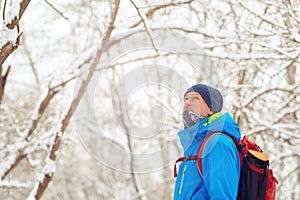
[[193, 96]]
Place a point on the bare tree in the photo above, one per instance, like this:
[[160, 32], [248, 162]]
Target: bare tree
[[253, 51]]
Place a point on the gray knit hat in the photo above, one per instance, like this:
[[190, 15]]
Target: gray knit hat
[[212, 97]]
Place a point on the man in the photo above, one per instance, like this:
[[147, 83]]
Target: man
[[220, 161]]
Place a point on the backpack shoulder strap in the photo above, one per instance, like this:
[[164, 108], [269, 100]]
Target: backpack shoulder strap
[[183, 159], [201, 148]]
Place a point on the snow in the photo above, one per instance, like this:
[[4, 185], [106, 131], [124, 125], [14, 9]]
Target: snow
[[59, 134], [12, 12], [12, 152], [8, 35], [9, 161], [33, 162], [296, 34], [13, 183], [33, 192], [49, 167], [227, 35]]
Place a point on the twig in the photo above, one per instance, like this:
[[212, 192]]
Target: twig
[[143, 21], [158, 7], [287, 65], [35, 74], [56, 10], [291, 173], [4, 8], [261, 92], [260, 17]]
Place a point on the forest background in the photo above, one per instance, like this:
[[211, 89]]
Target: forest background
[[91, 91]]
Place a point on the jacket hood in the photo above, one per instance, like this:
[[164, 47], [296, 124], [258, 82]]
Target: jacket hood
[[216, 123]]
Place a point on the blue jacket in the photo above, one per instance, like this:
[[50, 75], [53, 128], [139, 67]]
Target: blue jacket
[[221, 165]]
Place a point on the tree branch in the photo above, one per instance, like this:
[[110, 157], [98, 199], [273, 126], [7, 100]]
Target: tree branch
[[159, 7], [145, 25], [56, 10], [8, 48], [260, 17], [43, 184], [40, 112], [3, 81], [15, 21]]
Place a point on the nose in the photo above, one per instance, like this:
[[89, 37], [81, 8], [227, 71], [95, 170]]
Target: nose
[[186, 104]]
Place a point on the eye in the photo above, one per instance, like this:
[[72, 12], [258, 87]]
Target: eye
[[195, 98]]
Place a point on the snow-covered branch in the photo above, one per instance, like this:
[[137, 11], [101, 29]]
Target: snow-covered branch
[[15, 14], [20, 149], [43, 184]]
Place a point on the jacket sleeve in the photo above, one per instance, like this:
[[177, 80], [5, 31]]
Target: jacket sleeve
[[221, 168]]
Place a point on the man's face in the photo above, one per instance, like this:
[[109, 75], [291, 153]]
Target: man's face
[[195, 103]]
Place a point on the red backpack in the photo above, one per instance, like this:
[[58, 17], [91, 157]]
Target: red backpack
[[256, 179]]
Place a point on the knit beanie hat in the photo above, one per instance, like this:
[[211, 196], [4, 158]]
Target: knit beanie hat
[[212, 97]]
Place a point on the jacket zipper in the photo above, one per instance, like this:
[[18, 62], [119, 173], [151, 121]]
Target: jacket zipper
[[182, 177]]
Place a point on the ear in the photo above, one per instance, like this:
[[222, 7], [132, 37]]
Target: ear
[[210, 112]]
